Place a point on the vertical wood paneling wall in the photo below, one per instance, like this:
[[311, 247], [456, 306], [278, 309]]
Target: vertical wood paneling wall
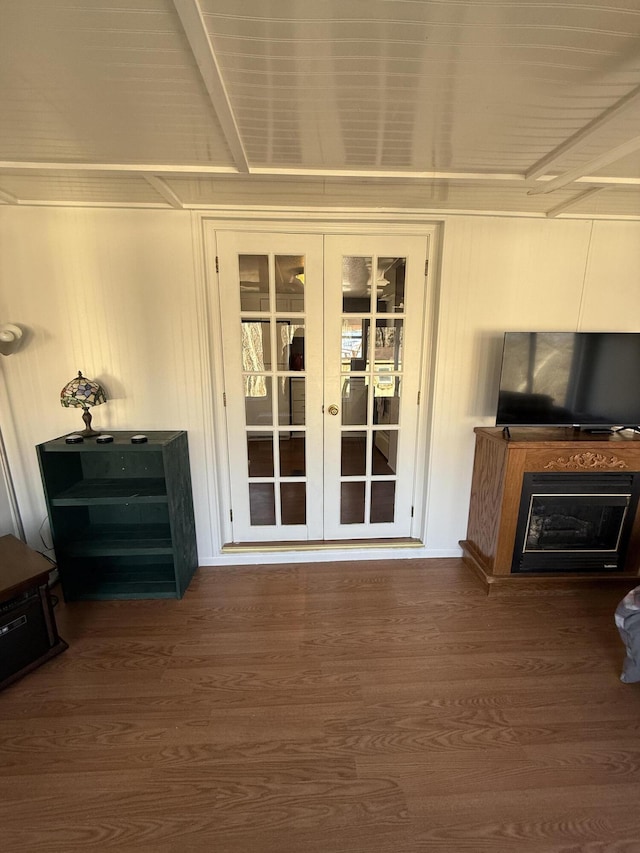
[[118, 294], [111, 293], [7, 522], [501, 274]]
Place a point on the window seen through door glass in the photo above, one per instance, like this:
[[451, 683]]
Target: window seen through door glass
[[256, 345], [388, 345], [354, 342]]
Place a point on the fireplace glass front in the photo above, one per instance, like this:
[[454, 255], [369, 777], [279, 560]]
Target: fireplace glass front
[[575, 522], [567, 529]]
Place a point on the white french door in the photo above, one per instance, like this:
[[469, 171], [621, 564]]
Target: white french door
[[271, 308], [373, 319], [322, 342]]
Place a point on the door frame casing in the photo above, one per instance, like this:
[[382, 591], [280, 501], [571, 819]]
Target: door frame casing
[[206, 228]]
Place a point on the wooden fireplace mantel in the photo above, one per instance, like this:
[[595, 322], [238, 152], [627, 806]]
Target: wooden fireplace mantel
[[500, 464]]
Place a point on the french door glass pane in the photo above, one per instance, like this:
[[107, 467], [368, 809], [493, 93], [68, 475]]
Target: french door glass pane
[[254, 282], [292, 454], [352, 496], [289, 271], [293, 503], [384, 450], [291, 401], [257, 400], [388, 345], [256, 345], [354, 453], [262, 503], [356, 284], [354, 341], [260, 454], [290, 344], [386, 399], [390, 285], [382, 500], [355, 391]]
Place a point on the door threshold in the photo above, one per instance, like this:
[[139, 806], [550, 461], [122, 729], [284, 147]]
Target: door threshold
[[321, 545]]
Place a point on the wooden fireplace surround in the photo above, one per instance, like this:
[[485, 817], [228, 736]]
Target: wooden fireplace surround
[[500, 464]]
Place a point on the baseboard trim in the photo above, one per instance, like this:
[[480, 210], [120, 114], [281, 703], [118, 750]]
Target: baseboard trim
[[320, 545]]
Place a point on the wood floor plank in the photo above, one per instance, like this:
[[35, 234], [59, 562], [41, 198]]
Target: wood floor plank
[[370, 707], [562, 820], [420, 779], [356, 838], [217, 807]]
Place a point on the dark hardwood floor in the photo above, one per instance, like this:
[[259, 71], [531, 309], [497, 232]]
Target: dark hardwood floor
[[380, 707]]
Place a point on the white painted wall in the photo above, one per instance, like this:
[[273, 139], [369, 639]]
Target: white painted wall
[[115, 294], [502, 274], [120, 295], [7, 522]]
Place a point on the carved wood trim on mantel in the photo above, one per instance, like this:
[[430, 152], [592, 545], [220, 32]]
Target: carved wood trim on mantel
[[585, 461]]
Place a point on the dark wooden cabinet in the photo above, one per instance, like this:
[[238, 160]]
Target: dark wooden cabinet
[[121, 515], [28, 632]]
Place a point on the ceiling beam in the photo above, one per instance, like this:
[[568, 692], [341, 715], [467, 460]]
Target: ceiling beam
[[565, 205], [198, 170], [381, 173], [195, 30], [43, 168], [604, 159], [163, 189], [611, 179], [7, 198], [542, 167]]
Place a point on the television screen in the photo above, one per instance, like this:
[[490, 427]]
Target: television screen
[[585, 379]]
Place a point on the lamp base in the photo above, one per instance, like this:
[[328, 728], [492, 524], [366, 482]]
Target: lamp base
[[88, 432]]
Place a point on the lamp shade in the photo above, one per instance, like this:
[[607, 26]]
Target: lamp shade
[[82, 392]]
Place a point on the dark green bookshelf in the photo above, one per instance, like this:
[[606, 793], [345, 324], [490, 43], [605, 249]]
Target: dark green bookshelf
[[121, 515]]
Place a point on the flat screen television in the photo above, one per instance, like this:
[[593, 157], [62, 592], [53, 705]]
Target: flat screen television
[[589, 380]]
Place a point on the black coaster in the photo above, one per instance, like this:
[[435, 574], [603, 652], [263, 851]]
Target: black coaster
[[74, 439]]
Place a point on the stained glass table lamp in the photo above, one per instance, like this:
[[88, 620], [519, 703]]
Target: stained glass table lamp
[[85, 393]]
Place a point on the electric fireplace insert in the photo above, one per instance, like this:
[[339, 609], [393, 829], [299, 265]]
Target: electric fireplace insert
[[574, 522]]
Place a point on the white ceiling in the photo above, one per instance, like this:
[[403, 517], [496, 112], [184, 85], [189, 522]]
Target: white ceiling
[[517, 106]]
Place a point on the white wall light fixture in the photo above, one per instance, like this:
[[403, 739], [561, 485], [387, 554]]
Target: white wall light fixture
[[10, 338]]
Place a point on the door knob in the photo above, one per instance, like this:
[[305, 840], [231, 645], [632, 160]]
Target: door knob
[[333, 409]]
